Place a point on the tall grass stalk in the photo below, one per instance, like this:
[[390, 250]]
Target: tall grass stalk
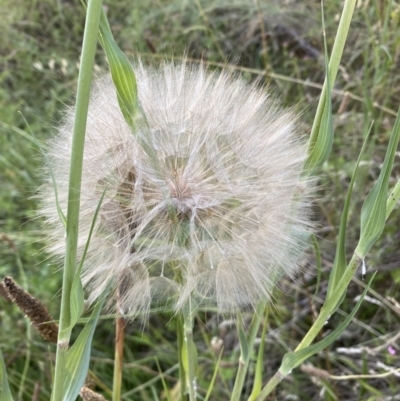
[[334, 63], [118, 357], [180, 334], [246, 347], [189, 353], [82, 104]]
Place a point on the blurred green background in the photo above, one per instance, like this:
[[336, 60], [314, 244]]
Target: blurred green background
[[280, 44]]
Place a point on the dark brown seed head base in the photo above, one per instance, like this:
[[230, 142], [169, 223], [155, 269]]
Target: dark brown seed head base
[[32, 308], [4, 293]]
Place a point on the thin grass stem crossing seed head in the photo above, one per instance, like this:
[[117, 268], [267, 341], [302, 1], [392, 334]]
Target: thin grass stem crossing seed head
[[206, 200]]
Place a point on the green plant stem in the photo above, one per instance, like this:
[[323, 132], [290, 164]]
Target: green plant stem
[[189, 354], [270, 386], [182, 374], [331, 303], [245, 354], [118, 358], [325, 313], [334, 62], [260, 361], [75, 175]]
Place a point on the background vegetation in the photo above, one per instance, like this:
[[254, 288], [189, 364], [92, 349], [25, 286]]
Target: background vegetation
[[279, 42]]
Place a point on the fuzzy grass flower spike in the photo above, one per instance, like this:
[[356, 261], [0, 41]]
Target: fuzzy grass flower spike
[[206, 201]]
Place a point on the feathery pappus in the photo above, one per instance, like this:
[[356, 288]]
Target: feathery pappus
[[206, 200]]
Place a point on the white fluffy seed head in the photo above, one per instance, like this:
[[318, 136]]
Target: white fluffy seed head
[[206, 200]]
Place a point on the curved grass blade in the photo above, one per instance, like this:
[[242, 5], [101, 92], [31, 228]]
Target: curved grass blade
[[257, 385], [122, 73], [78, 356], [337, 51], [293, 359], [243, 340], [246, 345], [214, 376], [318, 261], [167, 392], [5, 388], [322, 146], [340, 262], [77, 296], [373, 211], [77, 301]]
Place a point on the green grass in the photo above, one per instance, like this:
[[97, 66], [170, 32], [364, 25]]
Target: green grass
[[39, 50]]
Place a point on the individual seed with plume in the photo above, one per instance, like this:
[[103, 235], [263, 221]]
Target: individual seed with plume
[[206, 199]]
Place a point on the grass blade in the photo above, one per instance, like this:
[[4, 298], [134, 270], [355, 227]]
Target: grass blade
[[340, 262], [334, 62], [257, 385], [77, 296], [246, 345], [78, 356], [373, 212], [293, 359], [5, 388], [121, 72], [323, 144], [166, 389], [89, 46], [214, 376], [318, 262]]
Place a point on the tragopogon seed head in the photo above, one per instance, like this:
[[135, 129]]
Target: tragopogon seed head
[[205, 200]]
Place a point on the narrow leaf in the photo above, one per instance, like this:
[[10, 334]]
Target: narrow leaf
[[77, 300], [293, 359], [337, 51], [78, 356], [5, 389], [318, 262], [257, 385], [77, 295], [373, 212], [166, 389], [214, 376], [322, 146], [121, 72], [243, 341], [340, 263]]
